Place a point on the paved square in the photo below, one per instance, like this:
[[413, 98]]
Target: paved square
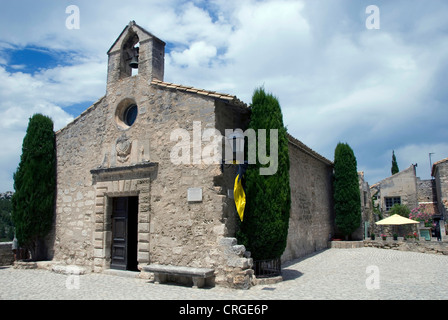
[[364, 273]]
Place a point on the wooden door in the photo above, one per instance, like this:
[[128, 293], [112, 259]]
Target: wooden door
[[124, 233], [119, 233]]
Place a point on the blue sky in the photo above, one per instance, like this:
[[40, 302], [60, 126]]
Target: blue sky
[[378, 90]]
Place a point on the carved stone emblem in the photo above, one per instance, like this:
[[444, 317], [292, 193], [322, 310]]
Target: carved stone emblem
[[123, 148]]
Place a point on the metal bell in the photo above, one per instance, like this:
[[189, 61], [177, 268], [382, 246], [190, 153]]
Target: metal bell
[[134, 63]]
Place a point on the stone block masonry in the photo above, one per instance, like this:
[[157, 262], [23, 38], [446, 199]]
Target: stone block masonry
[[6, 254], [440, 173], [432, 247], [169, 226], [346, 244], [311, 218]]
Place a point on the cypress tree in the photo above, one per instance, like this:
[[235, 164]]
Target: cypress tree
[[347, 201], [264, 229], [394, 168], [35, 184]]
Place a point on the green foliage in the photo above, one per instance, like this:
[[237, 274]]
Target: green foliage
[[394, 168], [34, 184], [347, 201], [400, 209], [264, 229]]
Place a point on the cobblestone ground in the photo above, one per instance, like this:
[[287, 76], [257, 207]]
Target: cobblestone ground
[[364, 273]]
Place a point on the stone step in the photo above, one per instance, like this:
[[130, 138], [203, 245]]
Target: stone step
[[122, 273]]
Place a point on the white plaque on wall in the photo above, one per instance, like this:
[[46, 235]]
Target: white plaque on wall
[[194, 194]]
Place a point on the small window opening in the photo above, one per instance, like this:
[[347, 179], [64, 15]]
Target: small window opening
[[391, 201], [130, 115]]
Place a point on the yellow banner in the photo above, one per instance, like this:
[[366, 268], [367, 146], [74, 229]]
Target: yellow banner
[[239, 196]]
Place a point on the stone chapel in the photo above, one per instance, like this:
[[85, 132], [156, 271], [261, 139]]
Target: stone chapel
[[121, 202]]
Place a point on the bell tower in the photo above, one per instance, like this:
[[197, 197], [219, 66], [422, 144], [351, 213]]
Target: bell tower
[[136, 51]]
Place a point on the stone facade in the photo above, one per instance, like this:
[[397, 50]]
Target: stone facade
[[311, 223], [440, 174], [425, 191], [102, 157], [401, 185], [6, 254], [367, 217], [431, 194]]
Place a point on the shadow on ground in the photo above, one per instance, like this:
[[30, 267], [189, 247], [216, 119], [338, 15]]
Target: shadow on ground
[[292, 274]]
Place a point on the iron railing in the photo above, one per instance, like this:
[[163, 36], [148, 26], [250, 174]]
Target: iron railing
[[267, 268]]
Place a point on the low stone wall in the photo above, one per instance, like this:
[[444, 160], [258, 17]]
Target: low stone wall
[[6, 255], [346, 244], [434, 247]]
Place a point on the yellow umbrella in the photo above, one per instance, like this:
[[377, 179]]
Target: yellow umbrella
[[396, 220]]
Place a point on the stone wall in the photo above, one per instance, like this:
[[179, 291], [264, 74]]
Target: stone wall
[[422, 246], [425, 190], [6, 254], [79, 149], [440, 173], [311, 223], [367, 215], [402, 184]]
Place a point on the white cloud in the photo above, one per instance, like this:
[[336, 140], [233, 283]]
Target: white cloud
[[46, 92], [60, 86], [419, 154], [268, 37], [199, 54]]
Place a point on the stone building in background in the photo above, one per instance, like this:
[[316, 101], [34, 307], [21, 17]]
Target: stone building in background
[[406, 188], [400, 188], [367, 217], [440, 186], [123, 204]]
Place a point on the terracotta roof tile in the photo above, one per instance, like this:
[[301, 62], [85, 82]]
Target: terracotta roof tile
[[436, 164], [212, 94], [440, 161]]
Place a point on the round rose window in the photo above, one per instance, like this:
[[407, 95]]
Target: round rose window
[[130, 114]]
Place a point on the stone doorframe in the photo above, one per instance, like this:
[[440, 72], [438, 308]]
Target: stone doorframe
[[121, 182]]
